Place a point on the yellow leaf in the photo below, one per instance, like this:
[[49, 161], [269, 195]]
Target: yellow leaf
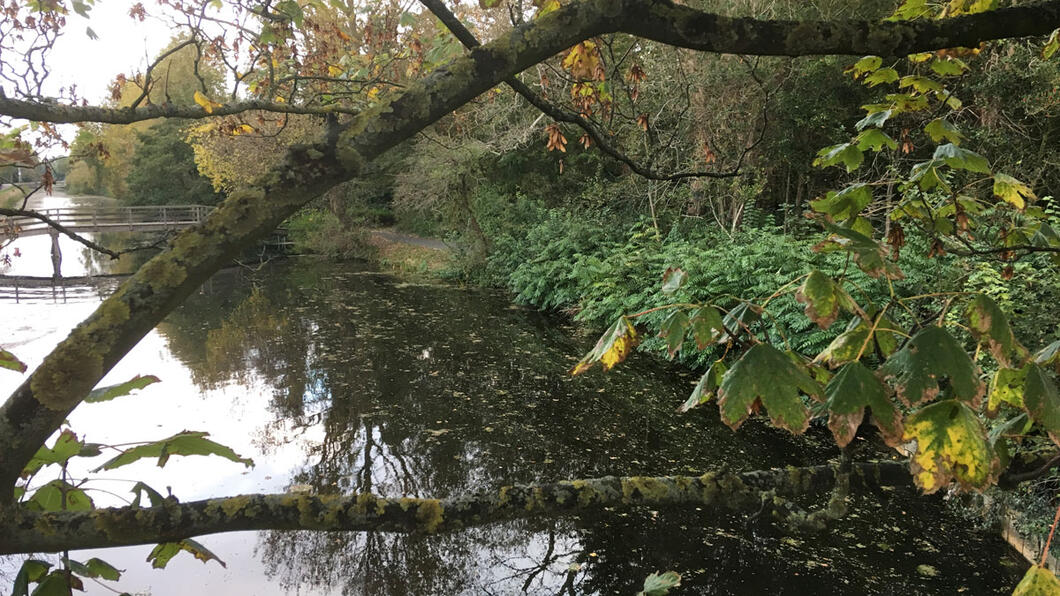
[[334, 70], [1038, 582], [1012, 191], [613, 347], [951, 445], [205, 102], [373, 93], [279, 99]]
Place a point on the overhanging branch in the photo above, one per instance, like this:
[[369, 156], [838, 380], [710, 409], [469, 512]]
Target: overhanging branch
[[669, 23], [26, 531]]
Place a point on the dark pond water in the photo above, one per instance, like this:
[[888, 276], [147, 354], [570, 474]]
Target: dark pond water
[[346, 380]]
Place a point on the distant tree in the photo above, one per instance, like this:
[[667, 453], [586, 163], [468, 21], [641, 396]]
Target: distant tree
[[163, 170]]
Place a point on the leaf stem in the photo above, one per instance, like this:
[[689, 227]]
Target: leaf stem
[[1052, 529]]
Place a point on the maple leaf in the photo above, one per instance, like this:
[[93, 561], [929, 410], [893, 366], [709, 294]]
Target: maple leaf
[[1041, 401], [673, 330], [613, 347], [951, 445], [768, 377], [822, 297], [931, 355], [1013, 191], [848, 393], [1038, 581], [706, 387], [673, 279], [990, 326]]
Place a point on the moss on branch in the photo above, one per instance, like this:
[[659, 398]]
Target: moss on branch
[[27, 531]]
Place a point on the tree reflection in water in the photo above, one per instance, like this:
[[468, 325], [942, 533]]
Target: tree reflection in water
[[433, 391]]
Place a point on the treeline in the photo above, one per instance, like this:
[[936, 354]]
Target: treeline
[[147, 163]]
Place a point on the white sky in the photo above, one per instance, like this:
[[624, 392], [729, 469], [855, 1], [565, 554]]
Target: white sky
[[124, 45]]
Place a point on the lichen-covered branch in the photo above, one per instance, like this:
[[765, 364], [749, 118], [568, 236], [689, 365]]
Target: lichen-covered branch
[[26, 531], [37, 408], [666, 22]]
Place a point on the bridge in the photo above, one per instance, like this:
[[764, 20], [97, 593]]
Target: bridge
[[106, 218]]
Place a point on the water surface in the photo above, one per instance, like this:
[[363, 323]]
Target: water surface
[[345, 380]]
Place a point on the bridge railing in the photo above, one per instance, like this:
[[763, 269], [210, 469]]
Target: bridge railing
[[107, 218]]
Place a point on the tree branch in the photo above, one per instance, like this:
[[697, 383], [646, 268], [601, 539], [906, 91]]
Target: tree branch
[[666, 22], [59, 228], [556, 113], [28, 531], [37, 408]]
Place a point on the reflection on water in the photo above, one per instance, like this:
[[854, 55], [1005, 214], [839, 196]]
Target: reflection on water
[[347, 380]]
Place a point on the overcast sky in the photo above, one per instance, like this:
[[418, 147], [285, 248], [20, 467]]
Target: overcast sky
[[124, 45]]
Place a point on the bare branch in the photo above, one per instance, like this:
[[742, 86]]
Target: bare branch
[[58, 227]]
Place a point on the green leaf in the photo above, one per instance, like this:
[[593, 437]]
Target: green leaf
[[941, 130], [873, 120], [66, 446], [866, 64], [848, 393], [95, 568], [154, 497], [766, 376], [846, 154], [50, 498], [905, 102], [822, 297], [910, 10], [951, 445], [882, 76], [1050, 354], [706, 387], [1012, 191], [57, 583], [920, 84], [672, 280], [927, 176], [110, 392], [1006, 386], [739, 319], [1041, 400], [917, 370], [160, 556], [844, 204], [183, 443], [989, 325], [31, 571], [949, 67], [613, 347], [870, 256], [660, 584], [1051, 45], [962, 159], [673, 330], [488, 3], [1038, 581], [875, 139], [707, 326], [9, 361]]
